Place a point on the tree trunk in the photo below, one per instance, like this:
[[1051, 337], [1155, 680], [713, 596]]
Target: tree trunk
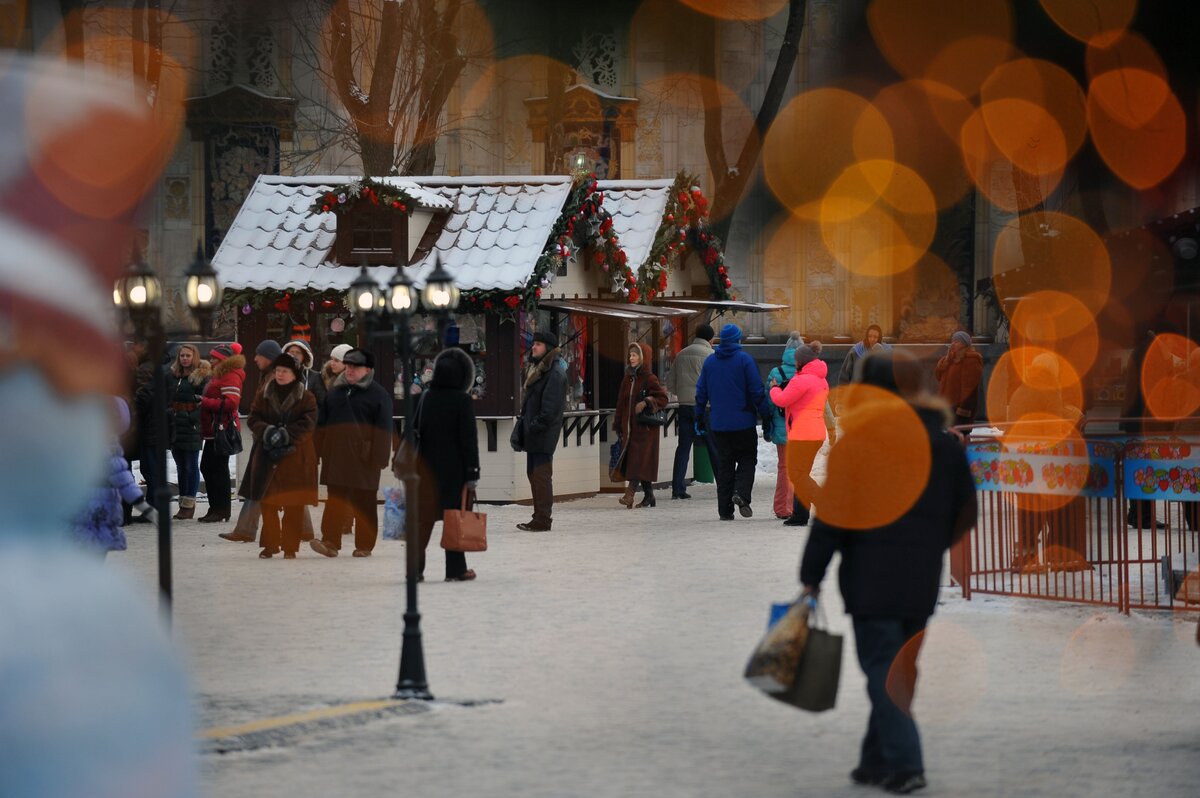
[[731, 183]]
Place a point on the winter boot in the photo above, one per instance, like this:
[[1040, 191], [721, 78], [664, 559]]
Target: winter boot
[[799, 516], [648, 499], [627, 499], [187, 508]]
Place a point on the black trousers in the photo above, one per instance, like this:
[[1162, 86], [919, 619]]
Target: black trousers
[[540, 470], [215, 470], [348, 506], [287, 536], [737, 455], [456, 561]]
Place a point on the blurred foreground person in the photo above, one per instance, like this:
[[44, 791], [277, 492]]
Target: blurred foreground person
[[93, 700], [892, 551], [98, 527]]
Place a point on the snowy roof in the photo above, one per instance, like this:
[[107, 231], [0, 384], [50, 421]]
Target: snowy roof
[[637, 209], [495, 230]]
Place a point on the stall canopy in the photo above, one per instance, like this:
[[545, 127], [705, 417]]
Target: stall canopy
[[719, 305], [615, 310]]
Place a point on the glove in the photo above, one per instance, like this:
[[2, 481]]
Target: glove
[[276, 438], [147, 512]]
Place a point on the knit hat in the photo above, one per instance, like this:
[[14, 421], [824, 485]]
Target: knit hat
[[804, 356], [705, 331], [222, 351], [338, 353], [547, 338], [269, 349], [303, 345], [731, 334], [288, 362], [961, 337], [74, 222], [359, 357]]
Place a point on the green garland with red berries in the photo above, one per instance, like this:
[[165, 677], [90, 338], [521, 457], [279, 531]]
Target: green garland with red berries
[[685, 225], [583, 222], [349, 196]]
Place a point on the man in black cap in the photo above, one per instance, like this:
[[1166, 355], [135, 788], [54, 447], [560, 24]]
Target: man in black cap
[[540, 425], [354, 437]]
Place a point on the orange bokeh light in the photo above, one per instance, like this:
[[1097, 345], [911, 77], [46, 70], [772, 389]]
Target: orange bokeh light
[[1129, 51], [925, 118], [1051, 392], [1035, 112], [1137, 125], [878, 218], [742, 9], [817, 136], [877, 427], [1050, 251], [956, 43], [1005, 184], [1171, 377], [954, 673], [1091, 21], [107, 159], [1060, 322], [1100, 657]]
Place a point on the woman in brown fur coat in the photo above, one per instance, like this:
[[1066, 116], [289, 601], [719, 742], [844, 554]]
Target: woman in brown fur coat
[[282, 470], [640, 391]]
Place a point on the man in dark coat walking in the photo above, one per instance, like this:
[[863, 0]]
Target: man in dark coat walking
[[541, 425], [730, 383], [355, 442], [892, 552]]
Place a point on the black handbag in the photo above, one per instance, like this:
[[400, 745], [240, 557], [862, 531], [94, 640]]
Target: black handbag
[[652, 418], [227, 438]]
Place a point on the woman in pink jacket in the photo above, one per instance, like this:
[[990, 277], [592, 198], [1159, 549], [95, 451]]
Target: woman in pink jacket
[[803, 403]]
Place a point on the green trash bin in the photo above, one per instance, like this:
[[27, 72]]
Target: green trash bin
[[702, 470]]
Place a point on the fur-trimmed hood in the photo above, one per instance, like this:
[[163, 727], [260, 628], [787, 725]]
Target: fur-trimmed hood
[[228, 365], [327, 375], [455, 369]]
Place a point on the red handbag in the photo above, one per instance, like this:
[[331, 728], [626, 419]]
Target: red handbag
[[463, 529]]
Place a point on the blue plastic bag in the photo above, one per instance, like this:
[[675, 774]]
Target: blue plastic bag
[[778, 610], [393, 513]]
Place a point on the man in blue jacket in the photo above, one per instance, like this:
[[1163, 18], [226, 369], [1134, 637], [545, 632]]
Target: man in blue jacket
[[730, 382]]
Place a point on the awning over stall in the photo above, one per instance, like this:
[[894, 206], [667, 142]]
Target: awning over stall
[[720, 305], [615, 310]]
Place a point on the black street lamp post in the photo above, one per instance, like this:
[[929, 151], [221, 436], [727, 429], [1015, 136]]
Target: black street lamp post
[[139, 292], [390, 314]]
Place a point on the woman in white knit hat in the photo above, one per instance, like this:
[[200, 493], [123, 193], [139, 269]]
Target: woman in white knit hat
[[334, 366]]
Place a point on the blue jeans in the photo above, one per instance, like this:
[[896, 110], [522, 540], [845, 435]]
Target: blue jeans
[[892, 743], [187, 467]]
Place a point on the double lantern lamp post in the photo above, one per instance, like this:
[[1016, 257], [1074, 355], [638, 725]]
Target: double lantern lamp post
[[139, 292], [381, 314]]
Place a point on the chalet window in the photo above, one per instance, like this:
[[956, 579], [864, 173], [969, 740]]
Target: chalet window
[[374, 234]]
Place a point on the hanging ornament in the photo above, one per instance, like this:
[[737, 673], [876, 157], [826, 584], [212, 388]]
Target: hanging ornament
[[337, 325], [246, 309], [312, 305]]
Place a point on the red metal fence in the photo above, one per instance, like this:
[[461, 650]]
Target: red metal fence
[[1099, 520]]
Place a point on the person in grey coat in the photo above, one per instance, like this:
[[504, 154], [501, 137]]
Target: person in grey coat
[[540, 425], [681, 381]]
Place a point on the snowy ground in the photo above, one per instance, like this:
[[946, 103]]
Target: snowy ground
[[615, 646]]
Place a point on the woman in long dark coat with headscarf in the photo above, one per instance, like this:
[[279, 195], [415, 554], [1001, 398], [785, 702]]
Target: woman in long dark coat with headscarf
[[448, 451], [640, 391], [282, 469]]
